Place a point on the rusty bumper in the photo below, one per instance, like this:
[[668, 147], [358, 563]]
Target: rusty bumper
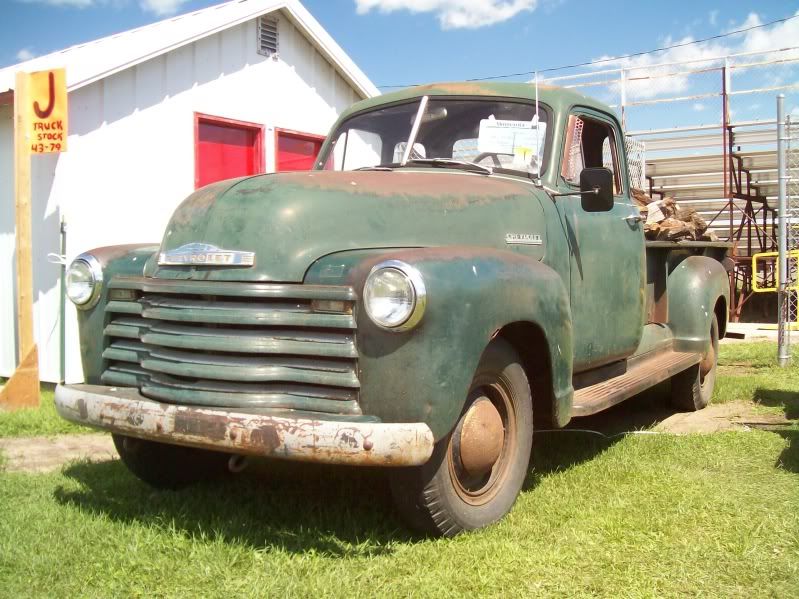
[[124, 411]]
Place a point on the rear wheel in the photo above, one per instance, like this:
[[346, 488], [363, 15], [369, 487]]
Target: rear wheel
[[477, 471], [169, 466], [692, 389]]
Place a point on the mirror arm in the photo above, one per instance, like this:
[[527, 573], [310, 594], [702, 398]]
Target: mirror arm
[[593, 192]]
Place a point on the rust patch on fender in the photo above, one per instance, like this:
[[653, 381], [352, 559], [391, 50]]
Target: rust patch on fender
[[112, 252]]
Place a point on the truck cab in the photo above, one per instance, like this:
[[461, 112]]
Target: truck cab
[[463, 266]]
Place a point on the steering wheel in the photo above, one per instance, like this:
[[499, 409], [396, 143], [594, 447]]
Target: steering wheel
[[493, 155]]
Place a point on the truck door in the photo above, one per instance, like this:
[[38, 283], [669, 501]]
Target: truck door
[[607, 262]]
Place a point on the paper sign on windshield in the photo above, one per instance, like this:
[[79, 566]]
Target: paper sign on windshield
[[521, 139]]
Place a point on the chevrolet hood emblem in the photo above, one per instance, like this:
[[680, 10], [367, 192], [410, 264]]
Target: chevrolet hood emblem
[[204, 254]]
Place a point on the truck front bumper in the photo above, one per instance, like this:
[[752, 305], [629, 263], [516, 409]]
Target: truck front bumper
[[126, 412]]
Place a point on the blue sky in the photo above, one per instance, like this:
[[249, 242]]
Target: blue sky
[[412, 45], [401, 42]]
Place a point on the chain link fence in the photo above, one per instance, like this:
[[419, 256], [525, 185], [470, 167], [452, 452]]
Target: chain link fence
[[636, 162], [792, 309]]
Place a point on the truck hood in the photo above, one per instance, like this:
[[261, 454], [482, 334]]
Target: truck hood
[[290, 220]]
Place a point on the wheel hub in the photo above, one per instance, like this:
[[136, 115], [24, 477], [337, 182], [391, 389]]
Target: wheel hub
[[482, 437]]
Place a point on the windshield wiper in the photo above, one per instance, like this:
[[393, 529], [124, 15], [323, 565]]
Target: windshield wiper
[[378, 167], [486, 170]]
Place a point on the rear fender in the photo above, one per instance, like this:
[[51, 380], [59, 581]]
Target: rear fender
[[424, 374], [694, 287]]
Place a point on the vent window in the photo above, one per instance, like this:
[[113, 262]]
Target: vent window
[[267, 36]]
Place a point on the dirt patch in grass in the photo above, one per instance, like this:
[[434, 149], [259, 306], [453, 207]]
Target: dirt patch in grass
[[738, 370], [734, 415], [45, 454]]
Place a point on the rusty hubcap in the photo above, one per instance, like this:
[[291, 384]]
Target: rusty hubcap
[[708, 361], [482, 443], [482, 437]]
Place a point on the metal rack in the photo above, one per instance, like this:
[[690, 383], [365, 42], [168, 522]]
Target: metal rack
[[726, 169]]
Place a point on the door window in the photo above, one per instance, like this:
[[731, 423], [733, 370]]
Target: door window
[[590, 143]]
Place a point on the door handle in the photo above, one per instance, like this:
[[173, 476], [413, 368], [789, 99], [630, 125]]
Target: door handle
[[635, 218]]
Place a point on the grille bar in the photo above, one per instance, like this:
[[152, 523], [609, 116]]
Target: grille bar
[[238, 345], [224, 288]]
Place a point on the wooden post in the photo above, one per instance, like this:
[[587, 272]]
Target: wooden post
[[22, 390]]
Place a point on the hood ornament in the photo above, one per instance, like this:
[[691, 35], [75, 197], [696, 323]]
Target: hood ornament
[[205, 254]]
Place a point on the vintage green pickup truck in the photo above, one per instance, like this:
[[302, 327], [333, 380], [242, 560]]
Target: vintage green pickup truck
[[463, 266]]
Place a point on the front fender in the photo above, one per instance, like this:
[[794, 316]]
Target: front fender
[[423, 375], [694, 286], [116, 260]]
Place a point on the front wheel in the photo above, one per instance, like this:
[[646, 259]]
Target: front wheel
[[692, 389], [477, 471], [169, 466]]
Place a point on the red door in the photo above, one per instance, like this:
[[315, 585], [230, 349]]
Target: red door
[[225, 149], [296, 151]]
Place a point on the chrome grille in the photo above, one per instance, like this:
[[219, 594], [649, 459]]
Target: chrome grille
[[234, 345]]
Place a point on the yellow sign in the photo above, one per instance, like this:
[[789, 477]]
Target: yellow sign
[[46, 111]]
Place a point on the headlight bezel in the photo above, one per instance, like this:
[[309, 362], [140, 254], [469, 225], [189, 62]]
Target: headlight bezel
[[414, 277], [96, 271]]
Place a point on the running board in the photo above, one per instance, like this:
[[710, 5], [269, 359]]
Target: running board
[[641, 376]]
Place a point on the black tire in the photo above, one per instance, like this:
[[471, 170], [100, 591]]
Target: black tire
[[692, 389], [441, 497], [169, 466]]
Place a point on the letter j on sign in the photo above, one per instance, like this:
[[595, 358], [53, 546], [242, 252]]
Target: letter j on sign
[[46, 111]]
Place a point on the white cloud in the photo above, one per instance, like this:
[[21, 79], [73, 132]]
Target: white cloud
[[157, 7], [25, 54], [779, 35], [454, 14], [72, 3], [712, 17], [698, 107], [162, 7]]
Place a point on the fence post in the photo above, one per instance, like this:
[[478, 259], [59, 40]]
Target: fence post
[[783, 352], [623, 88]]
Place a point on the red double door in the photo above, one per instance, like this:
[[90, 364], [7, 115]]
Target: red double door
[[225, 148]]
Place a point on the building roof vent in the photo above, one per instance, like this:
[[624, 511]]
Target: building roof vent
[[267, 36]]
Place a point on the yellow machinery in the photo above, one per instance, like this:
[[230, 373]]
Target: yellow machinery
[[793, 265]]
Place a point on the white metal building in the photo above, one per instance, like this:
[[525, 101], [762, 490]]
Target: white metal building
[[246, 86]]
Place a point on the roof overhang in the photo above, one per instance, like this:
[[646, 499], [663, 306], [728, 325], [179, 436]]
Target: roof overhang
[[291, 9]]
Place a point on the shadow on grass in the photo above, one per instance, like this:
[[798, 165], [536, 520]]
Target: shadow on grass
[[334, 511], [587, 437], [789, 458], [789, 402], [779, 398]]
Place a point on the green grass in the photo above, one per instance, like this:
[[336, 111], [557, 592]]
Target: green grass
[[748, 371], [43, 420], [648, 515], [639, 515]]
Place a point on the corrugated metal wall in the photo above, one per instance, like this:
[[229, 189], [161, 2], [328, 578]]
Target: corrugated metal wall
[[131, 157]]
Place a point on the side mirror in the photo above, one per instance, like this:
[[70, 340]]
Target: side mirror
[[596, 189]]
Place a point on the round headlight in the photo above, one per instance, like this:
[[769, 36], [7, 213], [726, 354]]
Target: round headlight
[[84, 281], [394, 295]]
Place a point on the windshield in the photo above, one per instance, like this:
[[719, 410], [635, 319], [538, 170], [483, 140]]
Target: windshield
[[497, 134]]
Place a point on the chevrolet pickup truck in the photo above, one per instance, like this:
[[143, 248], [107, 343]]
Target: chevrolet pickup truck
[[463, 266]]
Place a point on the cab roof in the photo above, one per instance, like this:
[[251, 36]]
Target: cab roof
[[558, 98]]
